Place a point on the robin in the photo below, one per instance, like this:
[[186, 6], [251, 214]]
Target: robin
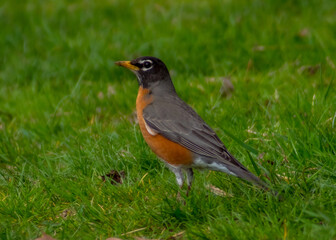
[[174, 131]]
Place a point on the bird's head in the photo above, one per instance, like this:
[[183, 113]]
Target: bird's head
[[149, 70]]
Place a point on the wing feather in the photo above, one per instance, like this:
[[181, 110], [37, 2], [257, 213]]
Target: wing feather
[[177, 121]]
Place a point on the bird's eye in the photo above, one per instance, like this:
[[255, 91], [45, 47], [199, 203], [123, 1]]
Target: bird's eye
[[147, 64]]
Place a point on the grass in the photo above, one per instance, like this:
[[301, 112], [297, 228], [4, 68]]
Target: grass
[[67, 118]]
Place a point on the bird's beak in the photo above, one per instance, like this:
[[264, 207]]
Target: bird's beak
[[127, 64]]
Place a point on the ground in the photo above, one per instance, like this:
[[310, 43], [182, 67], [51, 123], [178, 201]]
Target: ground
[[67, 118]]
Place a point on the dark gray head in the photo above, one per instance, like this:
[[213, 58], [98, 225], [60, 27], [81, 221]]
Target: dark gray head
[[150, 71]]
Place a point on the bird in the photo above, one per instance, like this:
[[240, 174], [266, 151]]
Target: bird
[[174, 131]]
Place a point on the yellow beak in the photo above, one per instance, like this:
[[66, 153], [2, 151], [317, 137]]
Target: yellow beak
[[127, 64]]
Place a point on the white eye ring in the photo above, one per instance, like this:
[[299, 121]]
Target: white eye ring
[[145, 62]]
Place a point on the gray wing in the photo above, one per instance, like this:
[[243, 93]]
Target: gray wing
[[178, 122]]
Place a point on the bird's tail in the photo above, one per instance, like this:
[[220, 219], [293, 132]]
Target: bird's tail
[[235, 168], [248, 176]]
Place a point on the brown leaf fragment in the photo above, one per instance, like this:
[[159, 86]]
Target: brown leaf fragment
[[303, 33], [227, 87], [309, 70], [45, 237], [114, 176], [113, 238]]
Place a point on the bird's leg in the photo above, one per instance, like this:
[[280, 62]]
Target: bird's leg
[[190, 178], [180, 180], [179, 177]]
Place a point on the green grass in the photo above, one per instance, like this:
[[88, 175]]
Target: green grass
[[67, 118]]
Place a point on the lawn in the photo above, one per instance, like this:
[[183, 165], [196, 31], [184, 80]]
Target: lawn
[[67, 118]]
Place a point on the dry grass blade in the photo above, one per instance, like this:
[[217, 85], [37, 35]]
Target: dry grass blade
[[134, 231], [218, 192]]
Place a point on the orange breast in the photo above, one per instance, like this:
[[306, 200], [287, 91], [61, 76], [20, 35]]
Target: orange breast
[[167, 150]]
